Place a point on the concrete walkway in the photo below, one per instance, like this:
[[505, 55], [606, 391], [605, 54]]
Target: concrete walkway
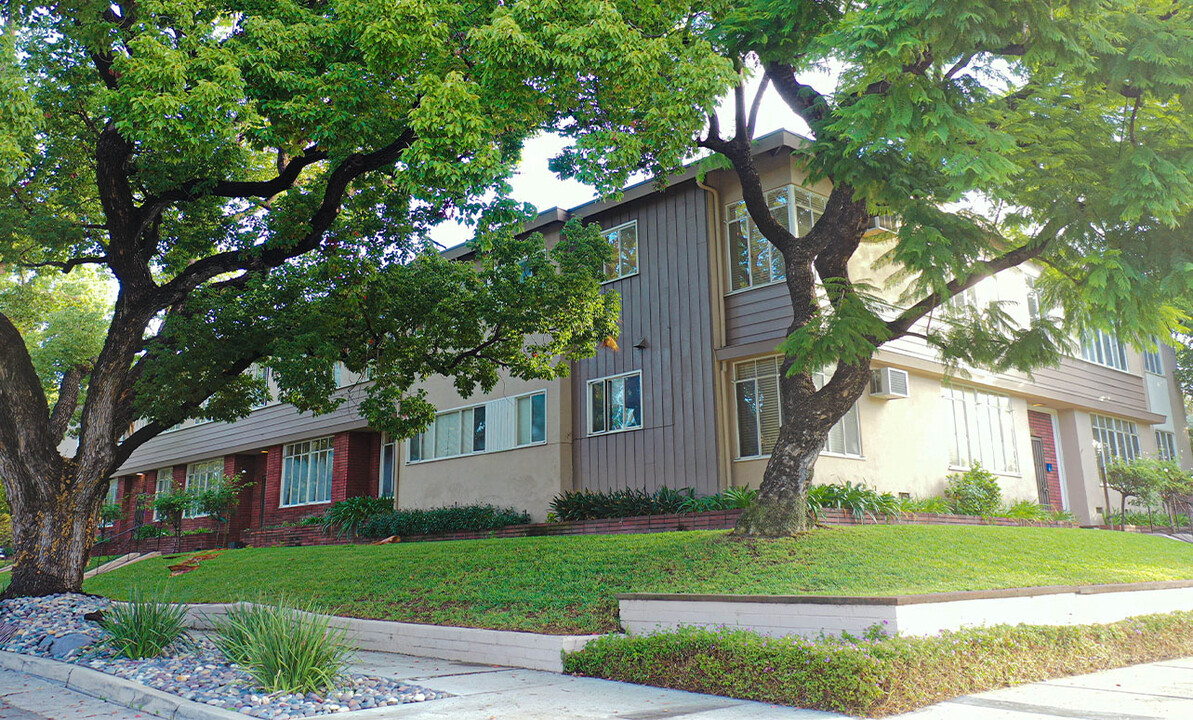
[[23, 697], [1146, 692]]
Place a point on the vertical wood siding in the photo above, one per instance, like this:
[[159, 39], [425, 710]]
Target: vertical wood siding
[[668, 305]]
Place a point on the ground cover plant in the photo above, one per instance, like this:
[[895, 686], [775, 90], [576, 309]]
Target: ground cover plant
[[879, 676], [568, 584]]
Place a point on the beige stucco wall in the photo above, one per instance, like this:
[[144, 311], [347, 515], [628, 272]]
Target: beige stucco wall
[[526, 478], [905, 448]]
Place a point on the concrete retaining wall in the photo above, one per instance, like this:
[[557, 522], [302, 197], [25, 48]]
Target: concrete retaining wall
[[929, 614], [486, 647]]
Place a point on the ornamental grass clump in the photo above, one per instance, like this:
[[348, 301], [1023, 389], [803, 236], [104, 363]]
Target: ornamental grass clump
[[144, 627], [284, 649]]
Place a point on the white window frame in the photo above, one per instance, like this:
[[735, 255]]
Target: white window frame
[[605, 381], [1166, 445], [763, 451], [1153, 362], [1114, 438], [1102, 348], [199, 476], [972, 412], [388, 442], [613, 236], [851, 419], [112, 498], [428, 438], [322, 451], [168, 477], [794, 197]]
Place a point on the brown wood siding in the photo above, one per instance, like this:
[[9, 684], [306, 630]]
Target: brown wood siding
[[762, 313], [668, 305], [1093, 384], [268, 426]]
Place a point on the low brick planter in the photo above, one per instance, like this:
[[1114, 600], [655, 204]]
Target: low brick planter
[[716, 520]]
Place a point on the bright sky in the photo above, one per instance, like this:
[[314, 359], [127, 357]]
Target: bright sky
[[534, 183]]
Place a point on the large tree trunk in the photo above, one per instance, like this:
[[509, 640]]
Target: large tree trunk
[[781, 508], [53, 531]]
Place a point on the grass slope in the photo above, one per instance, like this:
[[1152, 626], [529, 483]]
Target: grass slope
[[567, 584]]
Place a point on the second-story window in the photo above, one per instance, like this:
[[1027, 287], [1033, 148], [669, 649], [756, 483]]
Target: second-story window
[[499, 424], [753, 260], [1151, 359], [1103, 348], [624, 241]]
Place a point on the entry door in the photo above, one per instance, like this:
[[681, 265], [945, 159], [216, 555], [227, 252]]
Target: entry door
[[1037, 453]]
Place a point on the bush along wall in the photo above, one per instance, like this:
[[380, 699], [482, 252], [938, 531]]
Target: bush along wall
[[877, 676], [439, 521]]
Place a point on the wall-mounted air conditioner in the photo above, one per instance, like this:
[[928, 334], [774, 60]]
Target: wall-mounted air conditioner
[[888, 383], [888, 222]]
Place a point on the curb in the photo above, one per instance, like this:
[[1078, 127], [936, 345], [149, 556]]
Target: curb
[[115, 690]]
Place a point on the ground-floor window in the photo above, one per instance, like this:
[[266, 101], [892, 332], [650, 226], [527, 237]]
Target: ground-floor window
[[615, 403], [500, 424], [113, 497], [306, 472], [164, 484], [983, 426], [385, 482], [1114, 439], [201, 476], [756, 394], [1166, 445]]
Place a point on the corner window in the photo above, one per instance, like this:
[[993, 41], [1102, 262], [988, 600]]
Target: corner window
[[306, 472], [1114, 439], [615, 403], [624, 241], [1166, 445], [388, 474], [203, 475], [1103, 348], [753, 261], [983, 426], [500, 424]]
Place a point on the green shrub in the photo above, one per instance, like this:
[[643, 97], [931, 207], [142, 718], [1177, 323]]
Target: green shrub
[[974, 492], [1025, 510], [348, 517], [627, 502], [143, 627], [284, 649], [858, 499], [734, 498], [930, 505], [878, 676], [147, 532], [111, 513], [439, 521], [220, 500]]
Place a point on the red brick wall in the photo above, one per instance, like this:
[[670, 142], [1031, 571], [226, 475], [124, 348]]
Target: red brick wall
[[1041, 427]]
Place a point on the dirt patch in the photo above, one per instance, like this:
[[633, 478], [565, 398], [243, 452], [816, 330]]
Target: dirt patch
[[190, 563]]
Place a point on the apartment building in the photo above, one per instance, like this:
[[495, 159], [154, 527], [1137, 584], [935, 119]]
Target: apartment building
[[689, 398]]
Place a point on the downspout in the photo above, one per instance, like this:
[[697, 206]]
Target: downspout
[[721, 404]]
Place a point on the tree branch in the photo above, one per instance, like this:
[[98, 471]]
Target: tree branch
[[753, 120], [67, 265], [68, 400], [980, 271], [24, 414], [803, 100]]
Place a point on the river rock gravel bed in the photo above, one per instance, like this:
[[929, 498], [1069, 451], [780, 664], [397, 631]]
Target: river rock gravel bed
[[54, 627]]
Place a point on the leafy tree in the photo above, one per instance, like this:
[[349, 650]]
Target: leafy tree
[[1000, 132], [1176, 492], [1141, 478], [258, 179], [220, 501], [171, 508]]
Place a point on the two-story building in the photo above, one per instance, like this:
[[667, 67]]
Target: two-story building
[[689, 398]]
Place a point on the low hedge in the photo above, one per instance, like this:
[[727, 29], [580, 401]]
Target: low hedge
[[441, 521], [878, 676]]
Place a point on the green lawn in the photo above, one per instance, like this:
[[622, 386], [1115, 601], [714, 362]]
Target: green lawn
[[567, 584]]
